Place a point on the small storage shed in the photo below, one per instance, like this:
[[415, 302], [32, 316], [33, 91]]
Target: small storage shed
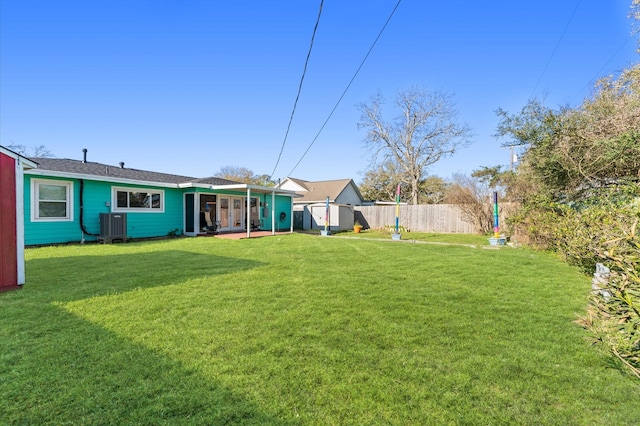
[[309, 205], [341, 217], [12, 166]]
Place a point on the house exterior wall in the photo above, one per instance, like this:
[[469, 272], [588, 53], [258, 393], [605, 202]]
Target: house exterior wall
[[8, 224], [282, 205], [97, 198], [349, 196], [290, 185]]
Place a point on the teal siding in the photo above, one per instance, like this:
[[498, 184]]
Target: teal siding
[[144, 225], [50, 232], [283, 205], [97, 199]]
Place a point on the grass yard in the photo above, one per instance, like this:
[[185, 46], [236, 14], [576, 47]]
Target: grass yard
[[425, 237], [300, 329]]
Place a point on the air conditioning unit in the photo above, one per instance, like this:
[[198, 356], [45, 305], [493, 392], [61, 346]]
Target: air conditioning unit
[[113, 226]]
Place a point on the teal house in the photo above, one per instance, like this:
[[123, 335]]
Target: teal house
[[69, 201]]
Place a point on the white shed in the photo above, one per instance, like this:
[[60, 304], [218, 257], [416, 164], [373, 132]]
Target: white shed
[[340, 217]]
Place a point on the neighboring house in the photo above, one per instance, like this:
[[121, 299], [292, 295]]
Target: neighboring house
[[12, 167], [310, 204], [76, 201], [339, 191]]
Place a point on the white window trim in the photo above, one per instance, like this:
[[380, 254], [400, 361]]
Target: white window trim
[[35, 208], [114, 200]]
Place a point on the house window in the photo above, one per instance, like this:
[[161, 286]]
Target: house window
[[138, 200], [51, 200]]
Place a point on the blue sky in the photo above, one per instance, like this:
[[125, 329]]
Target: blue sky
[[188, 87]]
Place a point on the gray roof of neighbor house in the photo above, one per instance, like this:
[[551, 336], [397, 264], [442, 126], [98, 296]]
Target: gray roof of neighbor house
[[90, 168], [320, 190]]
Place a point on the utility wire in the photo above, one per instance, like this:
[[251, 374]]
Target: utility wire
[[347, 88], [304, 71], [599, 73], [575, 9]]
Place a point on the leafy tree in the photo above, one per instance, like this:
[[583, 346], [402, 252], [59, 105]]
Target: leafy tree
[[579, 186], [424, 130], [244, 175], [573, 150], [504, 181], [381, 183], [433, 190]]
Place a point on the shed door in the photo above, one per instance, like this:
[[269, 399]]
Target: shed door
[[318, 214], [8, 237]]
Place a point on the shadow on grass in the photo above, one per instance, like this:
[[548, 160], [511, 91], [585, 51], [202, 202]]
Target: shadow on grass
[[74, 278], [56, 368], [68, 371]]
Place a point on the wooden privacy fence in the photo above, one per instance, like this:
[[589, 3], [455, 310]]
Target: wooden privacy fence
[[445, 218]]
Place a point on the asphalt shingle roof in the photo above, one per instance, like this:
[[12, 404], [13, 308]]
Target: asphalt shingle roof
[[319, 190], [104, 170]]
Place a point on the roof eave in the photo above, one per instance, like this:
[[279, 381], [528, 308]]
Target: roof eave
[[256, 188], [69, 175]]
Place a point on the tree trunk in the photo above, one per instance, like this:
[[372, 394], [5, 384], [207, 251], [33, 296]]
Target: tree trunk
[[415, 190]]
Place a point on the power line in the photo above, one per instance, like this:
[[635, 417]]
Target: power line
[[304, 71], [598, 74], [347, 88], [575, 9]]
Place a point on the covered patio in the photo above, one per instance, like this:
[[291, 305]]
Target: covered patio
[[242, 210]]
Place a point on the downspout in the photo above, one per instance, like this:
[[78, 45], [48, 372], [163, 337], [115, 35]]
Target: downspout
[[82, 227]]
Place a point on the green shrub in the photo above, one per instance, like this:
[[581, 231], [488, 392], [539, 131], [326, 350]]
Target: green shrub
[[613, 315], [599, 227], [391, 229], [535, 224]]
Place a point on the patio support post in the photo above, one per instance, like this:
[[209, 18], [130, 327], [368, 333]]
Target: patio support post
[[248, 213], [273, 212], [291, 216]]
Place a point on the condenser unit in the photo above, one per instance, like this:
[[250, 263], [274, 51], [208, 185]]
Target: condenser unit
[[113, 226]]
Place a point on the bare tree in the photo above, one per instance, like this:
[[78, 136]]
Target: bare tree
[[425, 130], [472, 195], [634, 13], [39, 151]]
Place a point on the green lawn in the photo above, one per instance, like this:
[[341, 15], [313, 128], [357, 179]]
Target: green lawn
[[301, 329], [426, 237]]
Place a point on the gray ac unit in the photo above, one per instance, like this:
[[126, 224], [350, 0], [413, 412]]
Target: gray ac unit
[[113, 226]]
